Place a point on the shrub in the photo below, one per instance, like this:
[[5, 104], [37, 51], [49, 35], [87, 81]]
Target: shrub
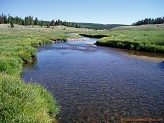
[[120, 45], [131, 47]]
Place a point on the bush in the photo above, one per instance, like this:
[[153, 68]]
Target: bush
[[120, 45], [131, 47]]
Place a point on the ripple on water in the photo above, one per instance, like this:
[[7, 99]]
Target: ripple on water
[[98, 84]]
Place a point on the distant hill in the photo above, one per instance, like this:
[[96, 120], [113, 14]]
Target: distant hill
[[98, 26], [30, 20], [141, 27]]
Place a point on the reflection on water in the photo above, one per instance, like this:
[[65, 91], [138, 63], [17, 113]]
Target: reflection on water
[[161, 65], [98, 84], [139, 53]]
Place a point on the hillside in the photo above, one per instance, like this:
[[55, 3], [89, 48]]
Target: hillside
[[141, 27], [98, 26]]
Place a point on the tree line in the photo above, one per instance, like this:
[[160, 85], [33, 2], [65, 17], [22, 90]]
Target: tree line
[[30, 20], [158, 20]]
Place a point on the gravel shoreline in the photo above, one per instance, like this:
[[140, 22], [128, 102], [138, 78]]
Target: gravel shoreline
[[146, 58]]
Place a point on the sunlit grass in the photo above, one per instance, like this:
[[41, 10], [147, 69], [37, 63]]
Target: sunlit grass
[[141, 39], [22, 103]]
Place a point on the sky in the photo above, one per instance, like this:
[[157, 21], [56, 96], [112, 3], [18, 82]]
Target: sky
[[92, 11]]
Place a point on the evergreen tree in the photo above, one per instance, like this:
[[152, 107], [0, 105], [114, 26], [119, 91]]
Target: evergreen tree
[[48, 25], [22, 22], [41, 23], [27, 21], [9, 18], [150, 21], [31, 22], [12, 24], [59, 22], [5, 19], [56, 23], [53, 23], [36, 22], [2, 19]]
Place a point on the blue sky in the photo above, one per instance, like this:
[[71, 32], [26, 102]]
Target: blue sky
[[95, 11]]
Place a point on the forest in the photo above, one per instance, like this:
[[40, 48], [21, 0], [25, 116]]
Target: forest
[[30, 20], [158, 20]]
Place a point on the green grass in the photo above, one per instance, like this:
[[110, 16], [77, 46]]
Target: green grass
[[141, 27], [20, 102], [28, 103], [138, 38]]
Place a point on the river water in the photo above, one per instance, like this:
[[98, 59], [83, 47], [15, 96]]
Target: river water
[[94, 84]]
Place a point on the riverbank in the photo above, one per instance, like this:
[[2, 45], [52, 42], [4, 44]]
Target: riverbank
[[146, 58], [132, 38], [95, 84], [24, 102]]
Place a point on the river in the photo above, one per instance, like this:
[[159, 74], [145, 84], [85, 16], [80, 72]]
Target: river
[[94, 84]]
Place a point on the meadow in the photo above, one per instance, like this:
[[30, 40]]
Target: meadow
[[20, 102], [149, 38], [28, 103]]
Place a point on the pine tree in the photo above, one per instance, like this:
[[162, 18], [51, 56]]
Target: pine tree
[[1, 19], [48, 25], [53, 23], [12, 24], [41, 23], [31, 20], [36, 22], [27, 21]]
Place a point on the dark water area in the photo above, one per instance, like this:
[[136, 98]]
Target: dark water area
[[95, 84]]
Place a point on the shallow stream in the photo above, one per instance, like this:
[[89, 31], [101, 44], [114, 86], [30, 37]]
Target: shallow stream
[[98, 84]]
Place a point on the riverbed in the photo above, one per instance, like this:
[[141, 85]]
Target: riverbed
[[94, 84]]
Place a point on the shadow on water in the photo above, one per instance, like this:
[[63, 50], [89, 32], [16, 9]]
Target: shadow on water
[[141, 53], [30, 65], [161, 65]]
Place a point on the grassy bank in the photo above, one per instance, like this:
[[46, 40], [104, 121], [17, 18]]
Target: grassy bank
[[20, 102], [141, 38]]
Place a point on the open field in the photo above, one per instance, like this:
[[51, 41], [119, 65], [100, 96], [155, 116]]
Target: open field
[[22, 102], [141, 27], [149, 38]]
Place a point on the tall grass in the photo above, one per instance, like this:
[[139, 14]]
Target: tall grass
[[131, 45], [20, 102], [142, 40]]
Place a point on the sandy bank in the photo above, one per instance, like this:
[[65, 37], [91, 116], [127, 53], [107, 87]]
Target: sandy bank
[[146, 58], [77, 39]]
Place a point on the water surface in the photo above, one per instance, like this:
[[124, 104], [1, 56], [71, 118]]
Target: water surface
[[98, 84]]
